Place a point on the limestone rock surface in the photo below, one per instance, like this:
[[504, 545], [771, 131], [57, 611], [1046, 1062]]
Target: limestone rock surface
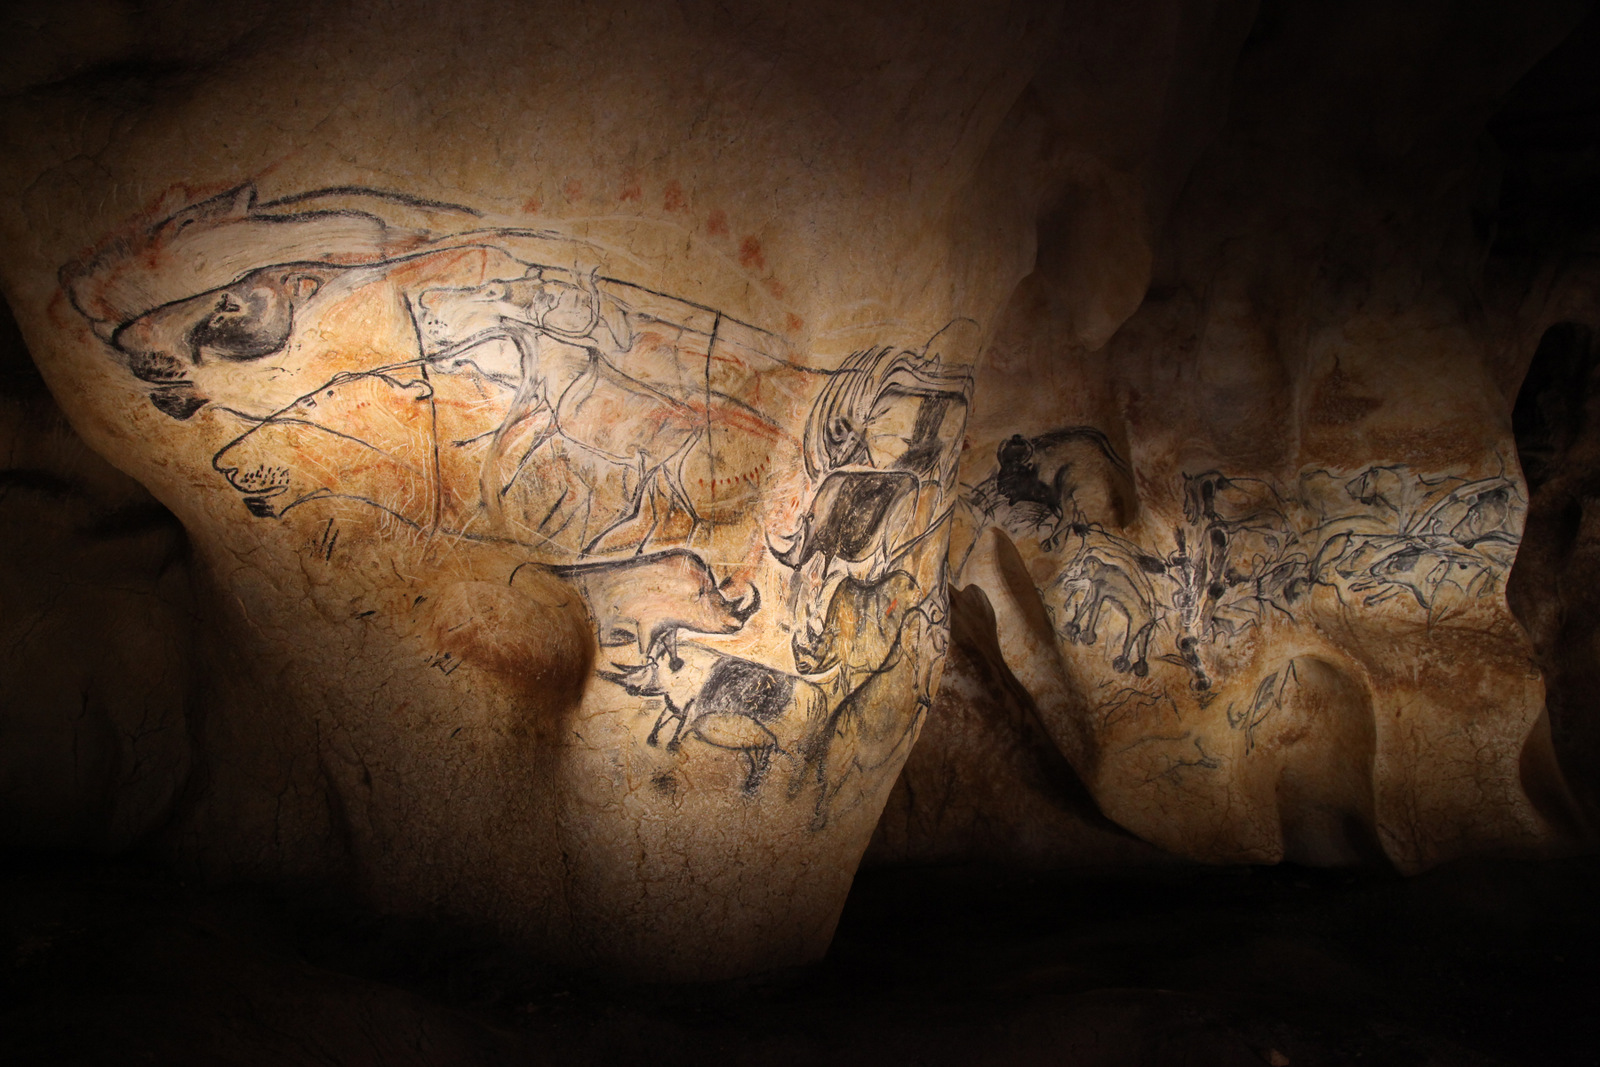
[[592, 471]]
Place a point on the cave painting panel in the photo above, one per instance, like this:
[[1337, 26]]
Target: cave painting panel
[[1235, 610], [1247, 549], [759, 534], [759, 540]]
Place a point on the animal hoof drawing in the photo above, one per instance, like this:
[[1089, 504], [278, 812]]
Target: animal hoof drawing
[[759, 761]]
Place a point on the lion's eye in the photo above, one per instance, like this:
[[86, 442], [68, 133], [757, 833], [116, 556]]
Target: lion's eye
[[229, 302]]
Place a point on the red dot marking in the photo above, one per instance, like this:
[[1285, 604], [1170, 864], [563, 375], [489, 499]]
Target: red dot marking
[[750, 254]]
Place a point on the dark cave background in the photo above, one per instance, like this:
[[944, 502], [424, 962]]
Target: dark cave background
[[109, 957]]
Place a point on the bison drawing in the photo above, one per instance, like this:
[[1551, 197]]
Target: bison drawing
[[1059, 479]]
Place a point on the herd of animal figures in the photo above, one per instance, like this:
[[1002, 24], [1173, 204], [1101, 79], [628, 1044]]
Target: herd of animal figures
[[634, 442], [400, 364], [1246, 550]]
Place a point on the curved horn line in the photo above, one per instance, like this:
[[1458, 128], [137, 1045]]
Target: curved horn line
[[744, 611]]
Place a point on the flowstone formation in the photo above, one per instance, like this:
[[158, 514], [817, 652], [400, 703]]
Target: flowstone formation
[[583, 502]]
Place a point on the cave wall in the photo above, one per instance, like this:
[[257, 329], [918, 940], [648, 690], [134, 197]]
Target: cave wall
[[1200, 452]]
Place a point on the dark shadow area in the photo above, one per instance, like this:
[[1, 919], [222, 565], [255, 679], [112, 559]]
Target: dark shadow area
[[1549, 416], [1552, 588], [1546, 222], [19, 378], [1548, 133], [1480, 963]]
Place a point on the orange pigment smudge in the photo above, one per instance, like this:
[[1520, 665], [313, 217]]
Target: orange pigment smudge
[[673, 199], [531, 206], [750, 254], [717, 223], [793, 322], [58, 310], [573, 189]]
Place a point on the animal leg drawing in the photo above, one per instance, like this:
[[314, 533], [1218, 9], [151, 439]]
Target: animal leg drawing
[[1093, 587], [729, 703]]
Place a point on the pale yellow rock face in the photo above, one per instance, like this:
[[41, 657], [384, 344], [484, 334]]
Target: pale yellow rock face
[[580, 418], [639, 594], [574, 502]]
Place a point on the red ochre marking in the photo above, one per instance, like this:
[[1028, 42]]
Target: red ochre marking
[[753, 477], [631, 191], [750, 254], [531, 206], [475, 259], [717, 223], [792, 322], [673, 198], [742, 421], [775, 287], [573, 189]]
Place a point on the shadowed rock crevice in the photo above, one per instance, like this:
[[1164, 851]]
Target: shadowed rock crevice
[[1552, 587], [96, 631]]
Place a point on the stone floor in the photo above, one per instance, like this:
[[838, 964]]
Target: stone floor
[[1483, 963]]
